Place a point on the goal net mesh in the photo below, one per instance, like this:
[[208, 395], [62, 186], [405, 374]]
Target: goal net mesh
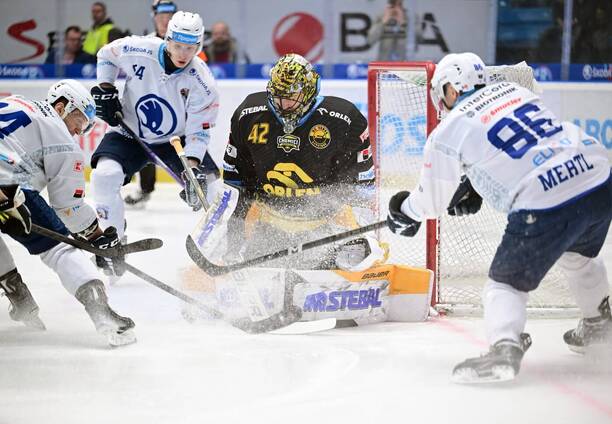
[[458, 249]]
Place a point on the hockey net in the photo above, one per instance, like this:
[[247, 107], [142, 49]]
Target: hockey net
[[458, 249]]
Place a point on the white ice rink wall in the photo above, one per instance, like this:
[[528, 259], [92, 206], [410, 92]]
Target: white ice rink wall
[[589, 105]]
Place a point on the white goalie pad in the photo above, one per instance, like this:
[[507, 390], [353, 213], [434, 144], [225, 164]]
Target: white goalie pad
[[210, 234], [382, 293]]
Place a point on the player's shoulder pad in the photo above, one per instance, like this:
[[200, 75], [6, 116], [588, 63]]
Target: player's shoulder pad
[[136, 45], [201, 76], [339, 108], [253, 103]]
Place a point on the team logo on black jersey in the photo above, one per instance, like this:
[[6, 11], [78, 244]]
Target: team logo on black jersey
[[288, 142], [319, 136]]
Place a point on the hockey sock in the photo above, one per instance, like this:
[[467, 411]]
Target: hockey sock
[[505, 311], [6, 259], [71, 265], [106, 180], [588, 281]]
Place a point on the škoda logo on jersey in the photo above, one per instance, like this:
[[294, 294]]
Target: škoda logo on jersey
[[288, 142], [319, 136]]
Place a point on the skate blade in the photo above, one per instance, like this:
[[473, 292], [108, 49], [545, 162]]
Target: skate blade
[[499, 373], [35, 323], [119, 339]]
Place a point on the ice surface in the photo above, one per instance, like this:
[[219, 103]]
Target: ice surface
[[212, 373]]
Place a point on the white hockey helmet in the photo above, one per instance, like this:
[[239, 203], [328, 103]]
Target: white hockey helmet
[[78, 99], [186, 28], [463, 71]]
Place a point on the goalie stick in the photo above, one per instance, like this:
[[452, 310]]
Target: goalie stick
[[147, 149], [285, 322], [124, 249], [215, 270]]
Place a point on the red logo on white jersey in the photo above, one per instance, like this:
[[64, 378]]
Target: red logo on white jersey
[[78, 166]]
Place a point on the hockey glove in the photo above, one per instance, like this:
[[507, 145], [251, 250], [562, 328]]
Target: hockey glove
[[107, 103], [15, 218], [107, 240], [188, 194], [465, 201], [397, 221]]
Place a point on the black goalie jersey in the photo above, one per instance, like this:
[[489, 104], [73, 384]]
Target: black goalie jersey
[[309, 174]]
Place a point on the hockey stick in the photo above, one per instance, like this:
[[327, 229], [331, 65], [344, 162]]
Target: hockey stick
[[176, 143], [118, 251], [285, 320], [216, 270], [147, 149]]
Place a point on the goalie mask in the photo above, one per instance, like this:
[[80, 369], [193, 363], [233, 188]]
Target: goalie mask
[[292, 89], [465, 72]]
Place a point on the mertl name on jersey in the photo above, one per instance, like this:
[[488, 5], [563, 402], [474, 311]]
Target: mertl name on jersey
[[564, 172]]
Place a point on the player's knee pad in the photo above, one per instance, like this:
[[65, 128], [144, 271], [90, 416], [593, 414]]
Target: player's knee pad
[[587, 279], [505, 311], [361, 253], [6, 259], [107, 178], [71, 265]]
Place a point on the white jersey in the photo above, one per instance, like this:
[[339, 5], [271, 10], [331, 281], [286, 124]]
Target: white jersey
[[37, 151], [513, 150], [158, 106]]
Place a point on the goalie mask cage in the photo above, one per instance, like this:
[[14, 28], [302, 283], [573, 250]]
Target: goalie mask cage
[[458, 249]]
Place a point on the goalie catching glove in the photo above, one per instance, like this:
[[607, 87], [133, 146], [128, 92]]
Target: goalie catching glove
[[15, 218], [397, 221], [107, 103], [361, 253], [465, 201]]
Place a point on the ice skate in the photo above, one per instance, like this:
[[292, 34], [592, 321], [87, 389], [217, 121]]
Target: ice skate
[[23, 307], [501, 363], [116, 328], [137, 200], [591, 331]]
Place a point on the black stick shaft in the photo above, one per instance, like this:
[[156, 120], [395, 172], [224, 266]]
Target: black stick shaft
[[214, 270]]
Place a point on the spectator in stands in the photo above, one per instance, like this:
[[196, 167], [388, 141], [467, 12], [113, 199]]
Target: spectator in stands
[[390, 31], [73, 49], [222, 47], [97, 36]]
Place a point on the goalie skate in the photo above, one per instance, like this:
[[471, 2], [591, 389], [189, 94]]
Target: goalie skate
[[501, 363], [22, 306], [117, 329], [591, 331]]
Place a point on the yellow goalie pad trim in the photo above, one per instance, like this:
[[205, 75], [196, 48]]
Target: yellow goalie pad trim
[[403, 279]]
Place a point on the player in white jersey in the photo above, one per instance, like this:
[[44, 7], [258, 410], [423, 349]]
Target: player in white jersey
[[169, 91], [552, 180], [38, 151]]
